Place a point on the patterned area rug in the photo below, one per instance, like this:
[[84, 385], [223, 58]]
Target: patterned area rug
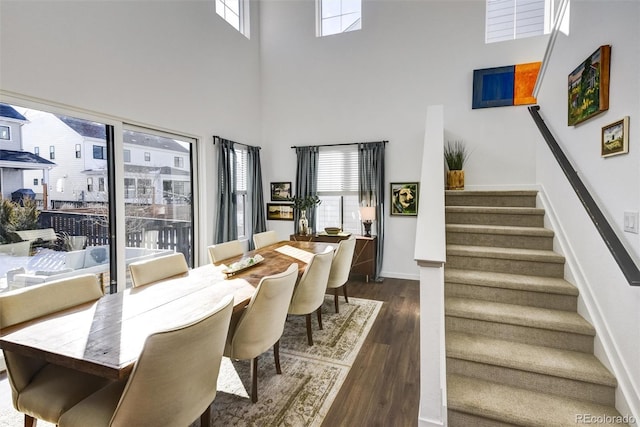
[[302, 395]]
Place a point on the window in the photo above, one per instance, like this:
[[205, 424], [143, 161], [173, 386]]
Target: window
[[90, 185], [36, 151], [235, 12], [99, 152], [35, 181], [144, 188], [241, 190], [338, 16], [78, 151], [52, 152], [129, 188], [178, 162], [147, 156], [338, 188], [100, 184], [127, 156], [5, 132], [517, 19]]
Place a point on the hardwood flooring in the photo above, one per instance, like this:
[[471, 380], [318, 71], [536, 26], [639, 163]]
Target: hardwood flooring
[[383, 386]]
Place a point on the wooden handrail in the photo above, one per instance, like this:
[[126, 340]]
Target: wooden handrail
[[617, 249]]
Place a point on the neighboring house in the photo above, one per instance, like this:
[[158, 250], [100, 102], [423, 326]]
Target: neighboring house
[[14, 161]]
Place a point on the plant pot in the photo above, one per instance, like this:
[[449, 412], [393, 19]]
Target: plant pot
[[455, 180]]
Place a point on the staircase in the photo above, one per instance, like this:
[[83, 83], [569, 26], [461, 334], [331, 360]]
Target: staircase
[[518, 353]]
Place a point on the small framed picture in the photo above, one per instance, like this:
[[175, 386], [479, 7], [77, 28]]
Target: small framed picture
[[279, 212], [615, 138], [280, 191], [404, 198]]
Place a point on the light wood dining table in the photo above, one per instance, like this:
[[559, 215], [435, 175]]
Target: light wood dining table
[[105, 337]]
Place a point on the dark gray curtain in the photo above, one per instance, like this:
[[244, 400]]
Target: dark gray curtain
[[306, 180], [254, 194], [371, 173], [227, 227]]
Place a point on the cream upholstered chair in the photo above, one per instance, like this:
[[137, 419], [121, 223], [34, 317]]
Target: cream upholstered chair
[[155, 269], [308, 295], [261, 324], [265, 238], [340, 268], [39, 389], [225, 250], [172, 383]]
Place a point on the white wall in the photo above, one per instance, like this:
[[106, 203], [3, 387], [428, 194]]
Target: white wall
[[375, 84], [606, 298], [174, 65]]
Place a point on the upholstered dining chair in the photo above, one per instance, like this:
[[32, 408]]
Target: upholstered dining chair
[[261, 324], [265, 238], [39, 389], [155, 269], [225, 250], [340, 268], [172, 383], [308, 294]]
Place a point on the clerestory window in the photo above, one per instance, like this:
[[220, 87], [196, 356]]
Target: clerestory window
[[338, 16]]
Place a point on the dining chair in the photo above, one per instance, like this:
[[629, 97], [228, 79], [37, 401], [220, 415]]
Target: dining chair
[[265, 238], [225, 250], [42, 390], [261, 324], [340, 269], [308, 294], [155, 269], [172, 383]]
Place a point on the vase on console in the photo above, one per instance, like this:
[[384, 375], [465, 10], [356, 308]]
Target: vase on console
[[303, 223]]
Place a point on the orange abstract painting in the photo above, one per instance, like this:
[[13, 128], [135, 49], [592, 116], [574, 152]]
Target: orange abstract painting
[[524, 82]]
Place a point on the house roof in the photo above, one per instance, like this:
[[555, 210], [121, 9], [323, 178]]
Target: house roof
[[23, 160], [164, 170], [153, 141], [9, 112], [85, 128]]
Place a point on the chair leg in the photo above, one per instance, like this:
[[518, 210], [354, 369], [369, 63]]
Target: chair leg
[[205, 418], [29, 421], [309, 337], [276, 356], [335, 299], [254, 380], [319, 311], [344, 289]]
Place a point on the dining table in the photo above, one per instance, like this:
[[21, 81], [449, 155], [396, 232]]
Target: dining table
[[105, 337]]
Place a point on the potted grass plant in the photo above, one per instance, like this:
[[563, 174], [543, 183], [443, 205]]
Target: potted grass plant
[[455, 154]]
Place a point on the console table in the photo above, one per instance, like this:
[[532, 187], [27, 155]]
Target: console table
[[364, 256]]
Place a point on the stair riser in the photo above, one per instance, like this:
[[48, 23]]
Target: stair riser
[[461, 419], [512, 296], [590, 392], [523, 334], [500, 240], [532, 268], [517, 220], [462, 199]]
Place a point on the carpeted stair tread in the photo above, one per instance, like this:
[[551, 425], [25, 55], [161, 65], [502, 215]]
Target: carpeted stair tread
[[491, 193], [542, 318], [568, 364], [500, 229], [522, 282], [494, 210], [518, 406], [506, 253]]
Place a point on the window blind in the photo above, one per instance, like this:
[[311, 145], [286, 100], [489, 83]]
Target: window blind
[[338, 169], [515, 19]]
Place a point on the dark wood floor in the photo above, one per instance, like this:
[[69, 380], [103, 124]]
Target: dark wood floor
[[383, 386]]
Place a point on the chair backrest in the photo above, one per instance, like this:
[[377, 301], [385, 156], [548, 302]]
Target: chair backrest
[[154, 269], [341, 266], [225, 250], [262, 323], [308, 295], [265, 238], [174, 379]]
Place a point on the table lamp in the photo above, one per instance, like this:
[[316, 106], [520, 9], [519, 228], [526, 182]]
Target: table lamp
[[367, 215]]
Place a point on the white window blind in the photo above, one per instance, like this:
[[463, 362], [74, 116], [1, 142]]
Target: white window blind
[[338, 169], [241, 169], [515, 19]]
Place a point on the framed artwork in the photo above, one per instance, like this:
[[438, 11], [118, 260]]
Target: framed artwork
[[279, 212], [404, 198], [615, 138], [588, 87], [505, 86], [280, 191]]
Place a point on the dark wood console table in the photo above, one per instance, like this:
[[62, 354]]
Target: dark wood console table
[[364, 256]]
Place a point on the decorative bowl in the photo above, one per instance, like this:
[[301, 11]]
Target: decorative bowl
[[332, 230]]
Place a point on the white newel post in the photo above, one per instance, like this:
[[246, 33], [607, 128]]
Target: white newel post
[[430, 254]]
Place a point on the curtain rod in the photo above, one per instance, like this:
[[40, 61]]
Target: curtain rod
[[336, 145], [239, 143]]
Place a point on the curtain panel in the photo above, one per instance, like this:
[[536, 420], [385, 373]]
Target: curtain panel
[[227, 226], [371, 190], [254, 194], [306, 181]]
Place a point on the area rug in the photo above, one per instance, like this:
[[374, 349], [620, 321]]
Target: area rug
[[311, 376]]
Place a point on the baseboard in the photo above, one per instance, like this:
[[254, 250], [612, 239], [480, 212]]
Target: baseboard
[[428, 422], [398, 275], [605, 349]]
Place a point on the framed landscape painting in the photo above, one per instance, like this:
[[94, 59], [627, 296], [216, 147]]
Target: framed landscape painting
[[280, 191], [615, 138], [404, 198], [588, 87], [279, 212]]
